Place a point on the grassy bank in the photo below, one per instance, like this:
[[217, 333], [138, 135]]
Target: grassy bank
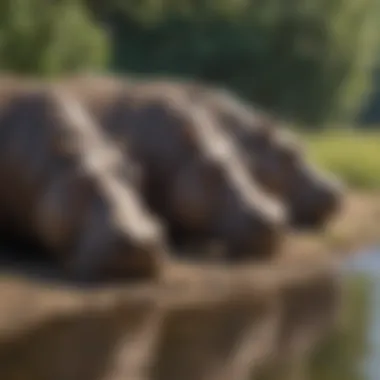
[[353, 156]]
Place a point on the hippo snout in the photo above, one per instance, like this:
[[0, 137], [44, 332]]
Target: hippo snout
[[331, 202], [255, 234], [316, 209], [119, 256], [262, 241], [144, 259], [137, 258]]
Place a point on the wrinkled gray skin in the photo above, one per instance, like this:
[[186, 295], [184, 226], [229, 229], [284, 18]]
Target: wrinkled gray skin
[[275, 158], [60, 183], [193, 175]]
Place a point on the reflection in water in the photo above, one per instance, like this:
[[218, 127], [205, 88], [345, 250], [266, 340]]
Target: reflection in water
[[370, 266], [342, 355], [353, 352], [373, 363]]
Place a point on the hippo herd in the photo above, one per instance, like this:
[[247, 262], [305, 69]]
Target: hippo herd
[[110, 173]]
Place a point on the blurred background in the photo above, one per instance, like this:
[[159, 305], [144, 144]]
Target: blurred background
[[313, 63]]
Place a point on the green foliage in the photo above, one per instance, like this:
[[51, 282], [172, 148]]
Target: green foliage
[[370, 115], [353, 156], [44, 37], [307, 60]]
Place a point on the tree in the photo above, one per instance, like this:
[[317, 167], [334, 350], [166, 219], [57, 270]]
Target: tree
[[45, 37], [307, 60]]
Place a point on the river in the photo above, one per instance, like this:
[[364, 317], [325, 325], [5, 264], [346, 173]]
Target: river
[[368, 264], [354, 353]]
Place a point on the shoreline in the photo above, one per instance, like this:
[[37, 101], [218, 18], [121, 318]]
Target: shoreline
[[356, 227], [197, 315]]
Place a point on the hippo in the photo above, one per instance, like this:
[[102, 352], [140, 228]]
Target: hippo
[[192, 174], [278, 161], [275, 156], [66, 184]]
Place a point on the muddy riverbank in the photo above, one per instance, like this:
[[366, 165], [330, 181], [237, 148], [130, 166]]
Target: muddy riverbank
[[200, 322]]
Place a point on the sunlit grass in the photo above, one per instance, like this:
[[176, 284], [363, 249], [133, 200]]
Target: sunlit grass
[[353, 156]]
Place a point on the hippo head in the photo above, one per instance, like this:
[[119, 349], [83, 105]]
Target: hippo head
[[275, 159], [214, 194], [281, 167], [111, 233], [119, 238], [195, 179]]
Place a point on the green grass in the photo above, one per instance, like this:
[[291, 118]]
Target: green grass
[[353, 156]]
